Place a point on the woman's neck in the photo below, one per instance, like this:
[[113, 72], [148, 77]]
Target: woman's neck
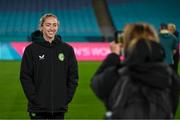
[[48, 39]]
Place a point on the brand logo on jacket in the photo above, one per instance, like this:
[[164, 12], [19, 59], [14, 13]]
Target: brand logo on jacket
[[61, 56], [33, 114], [41, 57]]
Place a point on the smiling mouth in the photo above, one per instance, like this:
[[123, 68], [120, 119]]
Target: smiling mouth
[[51, 32]]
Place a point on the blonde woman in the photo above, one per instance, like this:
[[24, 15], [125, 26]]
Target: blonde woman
[[135, 89], [141, 44], [48, 72]]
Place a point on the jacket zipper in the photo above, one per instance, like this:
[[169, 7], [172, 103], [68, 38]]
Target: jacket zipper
[[52, 71]]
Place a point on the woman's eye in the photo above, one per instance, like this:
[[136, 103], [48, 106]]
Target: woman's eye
[[55, 25]]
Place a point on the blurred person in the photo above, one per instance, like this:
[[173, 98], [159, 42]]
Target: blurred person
[[169, 43], [172, 29], [151, 79], [49, 72]]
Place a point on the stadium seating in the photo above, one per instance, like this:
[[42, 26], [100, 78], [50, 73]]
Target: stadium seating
[[151, 11], [20, 17]]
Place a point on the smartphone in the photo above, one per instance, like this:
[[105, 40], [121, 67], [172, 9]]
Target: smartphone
[[119, 37]]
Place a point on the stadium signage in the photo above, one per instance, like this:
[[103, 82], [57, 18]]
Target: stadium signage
[[86, 51]]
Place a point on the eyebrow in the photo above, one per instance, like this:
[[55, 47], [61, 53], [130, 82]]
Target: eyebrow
[[51, 23]]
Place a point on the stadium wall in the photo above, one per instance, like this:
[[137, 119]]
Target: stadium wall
[[84, 51]]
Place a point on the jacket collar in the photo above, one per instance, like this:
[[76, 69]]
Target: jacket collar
[[164, 31], [37, 37]]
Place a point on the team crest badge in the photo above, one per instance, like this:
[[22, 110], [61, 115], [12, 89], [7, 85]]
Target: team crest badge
[[61, 56]]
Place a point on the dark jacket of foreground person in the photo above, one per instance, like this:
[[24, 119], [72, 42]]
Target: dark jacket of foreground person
[[146, 71]]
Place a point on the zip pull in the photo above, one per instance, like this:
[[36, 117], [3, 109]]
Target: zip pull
[[50, 44]]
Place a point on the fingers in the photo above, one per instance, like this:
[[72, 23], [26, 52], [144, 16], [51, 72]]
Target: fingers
[[115, 47]]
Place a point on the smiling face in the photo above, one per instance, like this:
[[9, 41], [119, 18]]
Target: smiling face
[[49, 27]]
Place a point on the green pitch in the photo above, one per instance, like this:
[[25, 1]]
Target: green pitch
[[85, 104], [13, 103]]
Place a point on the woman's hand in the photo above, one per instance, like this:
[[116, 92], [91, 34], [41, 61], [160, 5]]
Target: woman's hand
[[115, 47]]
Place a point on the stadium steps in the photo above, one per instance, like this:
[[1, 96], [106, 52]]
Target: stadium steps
[[103, 18]]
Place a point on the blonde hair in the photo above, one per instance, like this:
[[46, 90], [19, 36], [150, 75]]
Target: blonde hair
[[172, 25], [43, 18], [138, 31]]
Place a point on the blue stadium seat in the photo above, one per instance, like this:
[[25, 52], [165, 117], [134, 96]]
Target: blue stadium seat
[[150, 11], [21, 17]]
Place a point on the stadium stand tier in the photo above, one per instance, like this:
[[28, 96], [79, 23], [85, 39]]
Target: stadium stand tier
[[150, 11], [78, 22], [19, 18]]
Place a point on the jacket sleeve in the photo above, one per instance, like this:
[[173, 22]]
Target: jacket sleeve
[[105, 77], [102, 84], [111, 60], [72, 81], [175, 90], [26, 76], [176, 43]]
